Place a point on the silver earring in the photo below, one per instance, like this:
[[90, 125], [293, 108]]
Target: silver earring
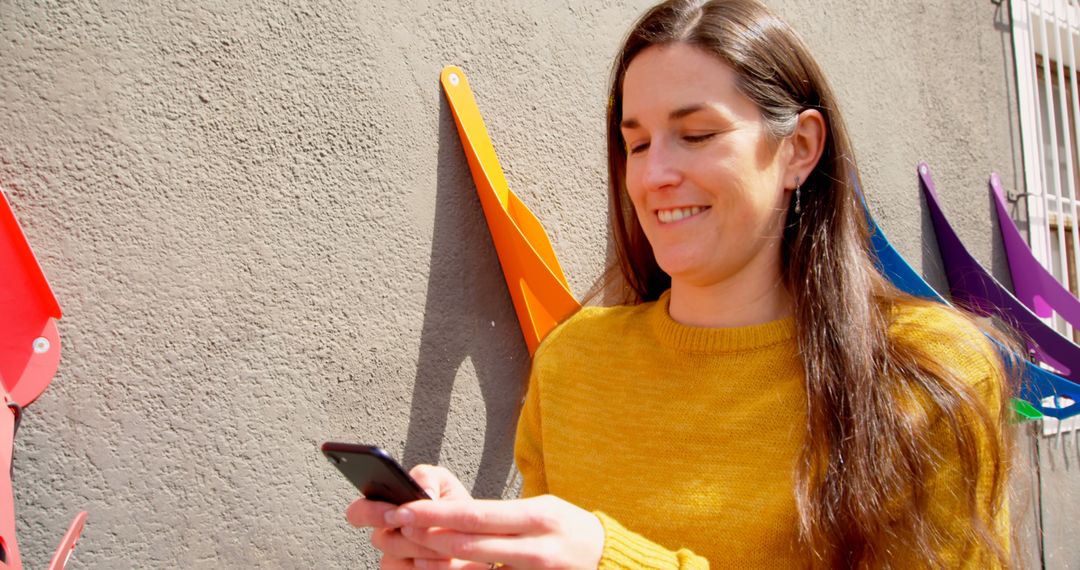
[[797, 193]]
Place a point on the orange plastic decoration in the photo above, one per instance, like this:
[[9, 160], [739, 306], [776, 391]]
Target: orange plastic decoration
[[29, 357], [7, 496], [542, 298], [67, 544], [29, 343]]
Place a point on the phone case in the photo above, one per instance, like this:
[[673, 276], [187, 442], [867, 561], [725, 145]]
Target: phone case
[[374, 473]]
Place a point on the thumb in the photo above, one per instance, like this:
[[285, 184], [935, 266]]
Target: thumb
[[439, 482]]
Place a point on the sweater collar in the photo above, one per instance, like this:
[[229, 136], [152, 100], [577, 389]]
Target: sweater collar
[[676, 335]]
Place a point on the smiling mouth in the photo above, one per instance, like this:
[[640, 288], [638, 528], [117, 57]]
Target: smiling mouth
[[678, 214]]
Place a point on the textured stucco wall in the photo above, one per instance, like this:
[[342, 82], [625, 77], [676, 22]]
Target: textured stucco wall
[[259, 222]]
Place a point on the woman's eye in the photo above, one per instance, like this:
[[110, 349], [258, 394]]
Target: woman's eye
[[698, 138], [637, 148]]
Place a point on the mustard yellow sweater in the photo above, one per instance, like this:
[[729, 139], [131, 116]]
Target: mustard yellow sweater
[[683, 440]]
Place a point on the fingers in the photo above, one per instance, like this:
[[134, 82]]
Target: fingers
[[439, 482], [399, 553], [526, 552], [389, 563], [400, 564], [449, 565], [393, 544], [478, 516], [363, 512], [541, 532]]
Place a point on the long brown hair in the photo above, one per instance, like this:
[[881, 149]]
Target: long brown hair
[[861, 478]]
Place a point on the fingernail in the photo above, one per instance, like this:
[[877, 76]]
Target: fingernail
[[390, 517], [407, 531], [403, 517], [431, 494]]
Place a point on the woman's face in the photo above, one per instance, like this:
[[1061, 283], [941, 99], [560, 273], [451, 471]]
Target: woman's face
[[705, 179]]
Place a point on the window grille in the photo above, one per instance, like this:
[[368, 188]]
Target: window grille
[[1046, 44]]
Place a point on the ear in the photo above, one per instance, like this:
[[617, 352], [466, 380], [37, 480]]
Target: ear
[[808, 142]]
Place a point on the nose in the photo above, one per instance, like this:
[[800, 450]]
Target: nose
[[660, 168]]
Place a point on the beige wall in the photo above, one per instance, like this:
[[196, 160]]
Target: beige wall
[[260, 224]]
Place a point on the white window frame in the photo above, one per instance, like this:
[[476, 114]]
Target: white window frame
[[1046, 34]]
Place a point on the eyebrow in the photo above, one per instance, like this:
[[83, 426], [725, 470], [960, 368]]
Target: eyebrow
[[675, 115]]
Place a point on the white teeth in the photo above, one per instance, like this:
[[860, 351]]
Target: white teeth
[[676, 214]]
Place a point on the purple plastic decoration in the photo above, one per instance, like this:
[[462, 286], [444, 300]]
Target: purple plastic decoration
[[1044, 390], [973, 287], [1032, 283]]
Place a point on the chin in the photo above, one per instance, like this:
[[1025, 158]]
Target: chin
[[676, 268]]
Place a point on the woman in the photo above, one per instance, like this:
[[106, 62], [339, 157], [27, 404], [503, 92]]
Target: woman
[[764, 398]]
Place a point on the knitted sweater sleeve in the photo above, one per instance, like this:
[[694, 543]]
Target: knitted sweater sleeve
[[626, 549], [623, 548], [528, 447]]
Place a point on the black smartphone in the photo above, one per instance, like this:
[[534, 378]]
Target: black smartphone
[[374, 472]]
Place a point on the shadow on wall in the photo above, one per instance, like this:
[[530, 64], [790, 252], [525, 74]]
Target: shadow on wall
[[1003, 24], [933, 269], [467, 314], [999, 262]]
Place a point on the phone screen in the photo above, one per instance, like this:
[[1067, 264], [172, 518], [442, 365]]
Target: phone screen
[[374, 473]]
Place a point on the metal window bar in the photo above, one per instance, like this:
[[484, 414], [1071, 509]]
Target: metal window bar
[[1072, 26], [1030, 123], [1048, 140], [1048, 26], [1061, 142], [1066, 132], [1045, 41]]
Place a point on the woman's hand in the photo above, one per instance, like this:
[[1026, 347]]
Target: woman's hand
[[398, 552], [541, 532]]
